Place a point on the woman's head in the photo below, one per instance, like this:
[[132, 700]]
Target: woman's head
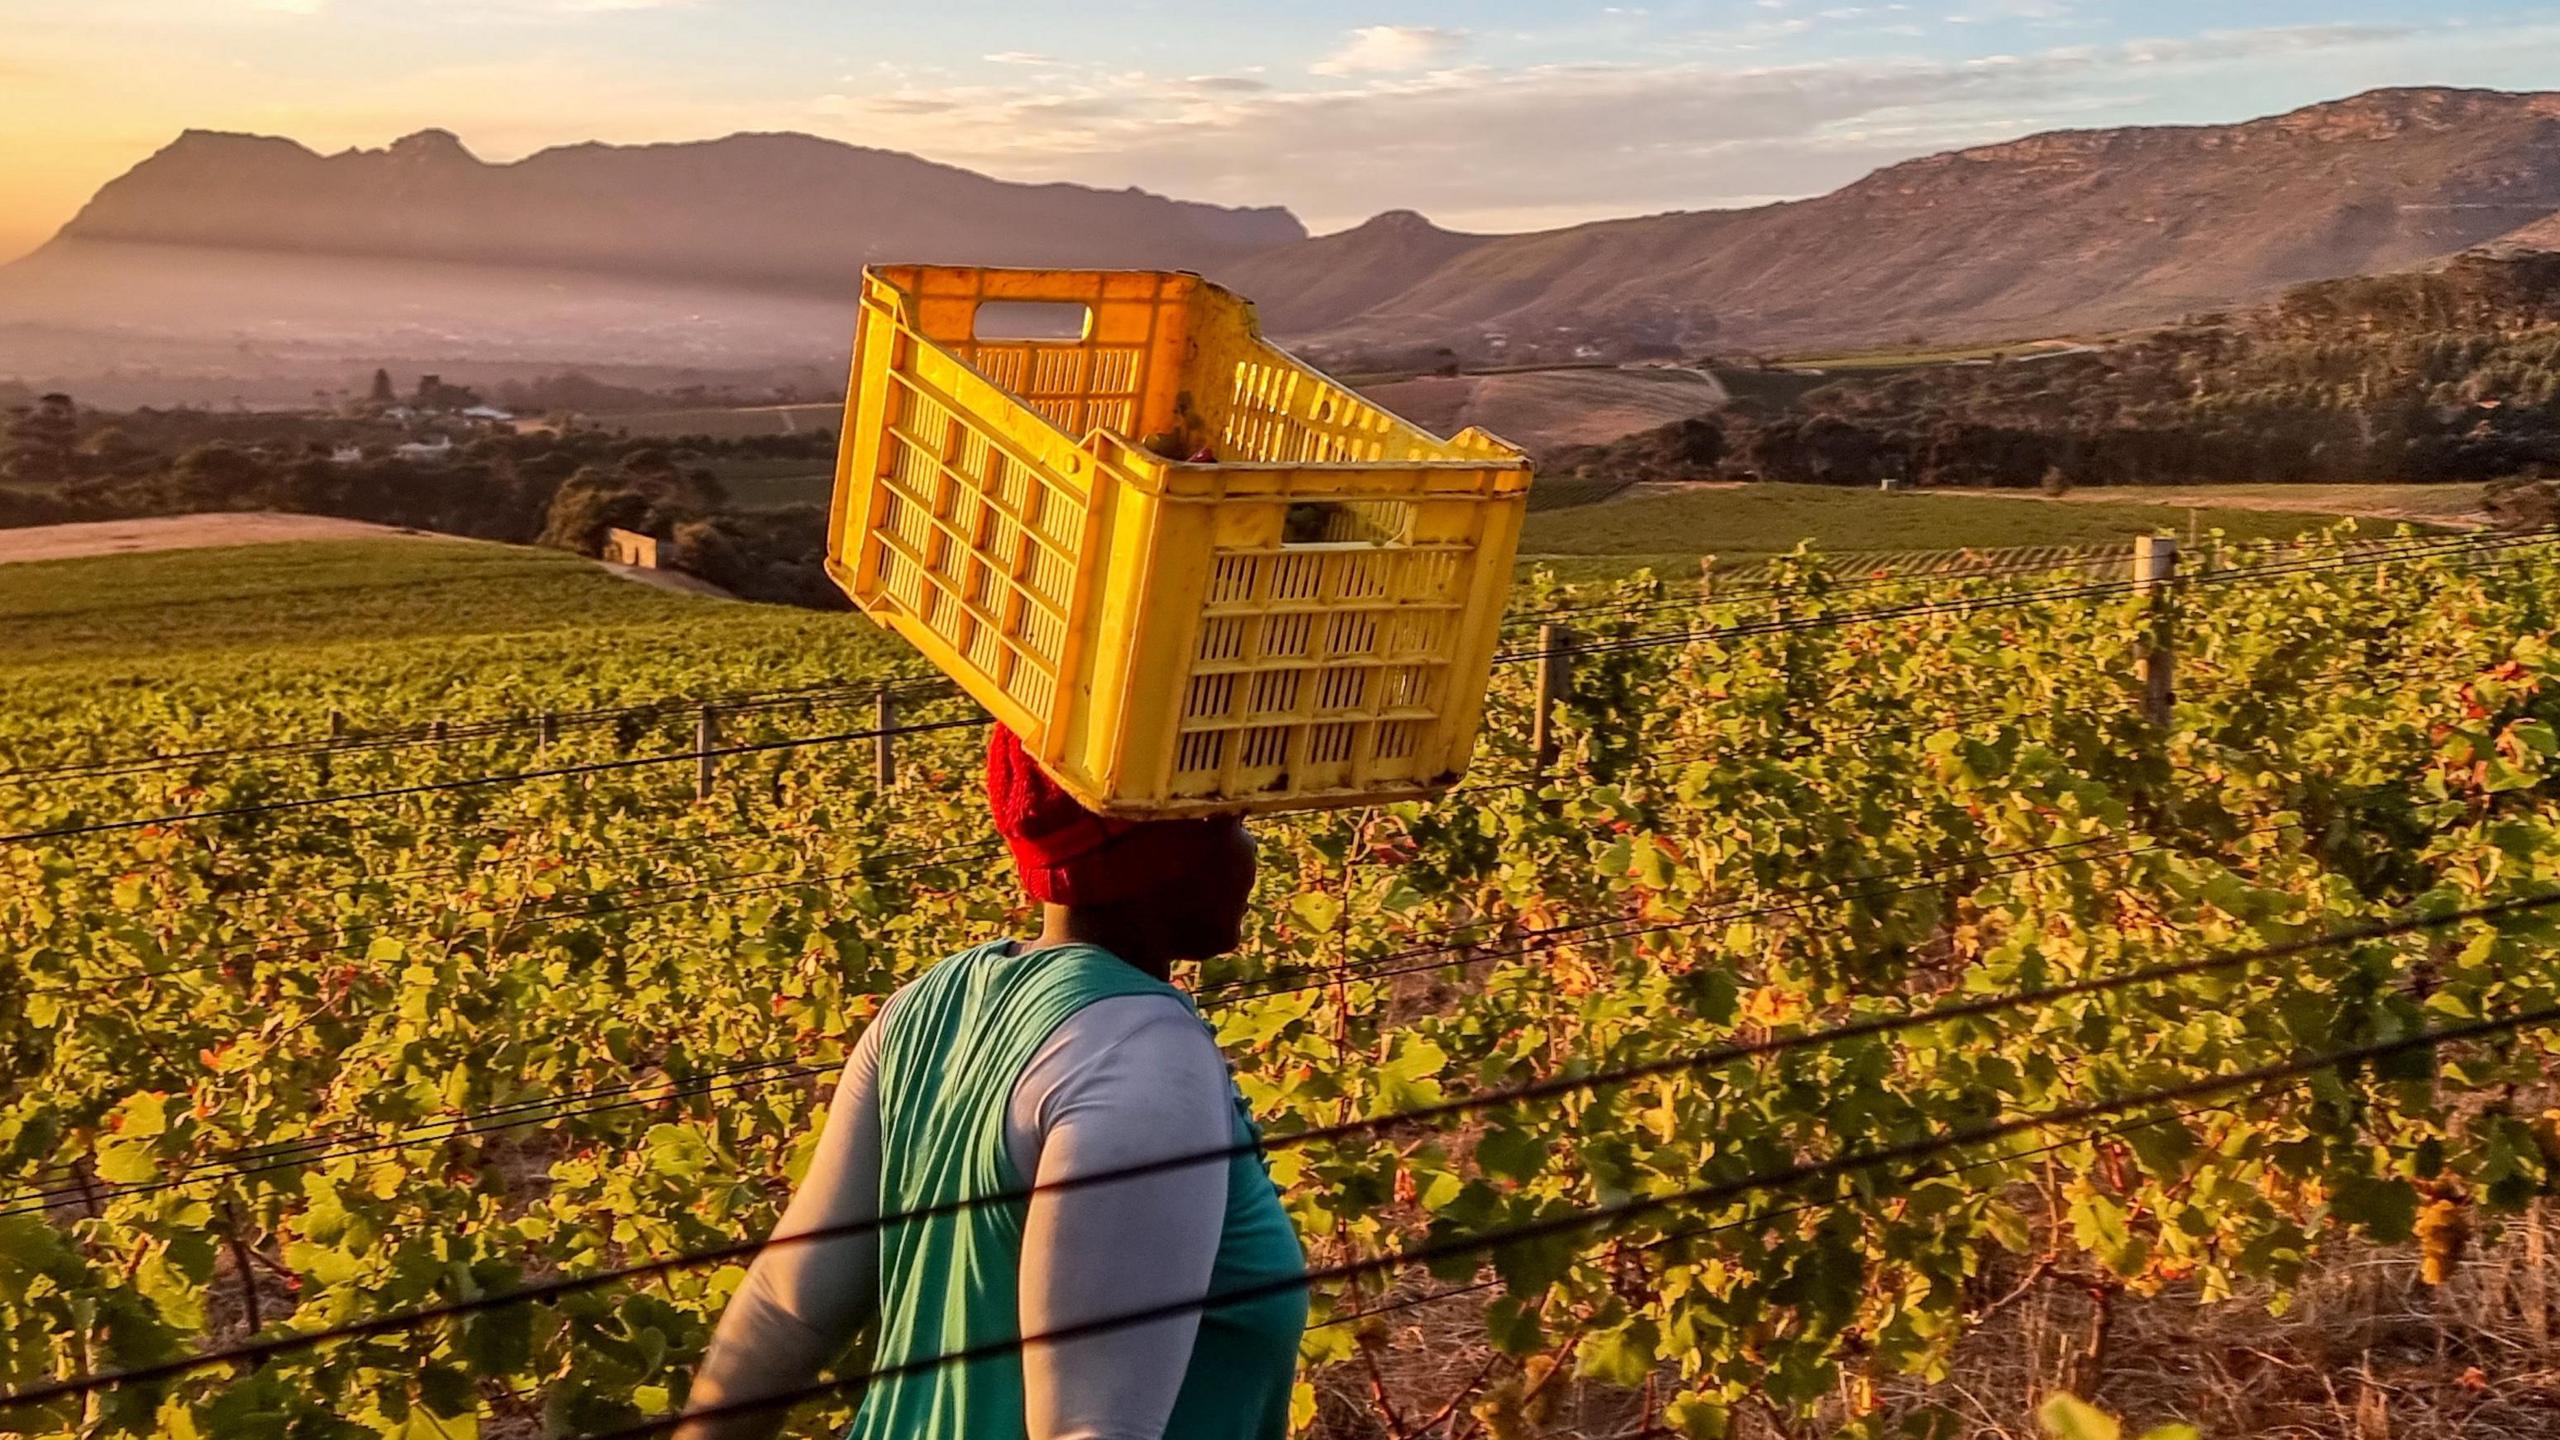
[[1182, 885]]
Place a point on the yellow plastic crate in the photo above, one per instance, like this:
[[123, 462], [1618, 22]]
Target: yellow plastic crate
[[1192, 573]]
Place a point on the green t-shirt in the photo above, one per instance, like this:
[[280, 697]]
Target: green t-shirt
[[951, 1051]]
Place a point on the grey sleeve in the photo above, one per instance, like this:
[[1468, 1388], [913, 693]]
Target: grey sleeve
[[800, 1305], [1125, 1082]]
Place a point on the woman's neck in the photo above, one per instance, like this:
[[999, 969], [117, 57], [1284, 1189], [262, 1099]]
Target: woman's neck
[[1117, 929]]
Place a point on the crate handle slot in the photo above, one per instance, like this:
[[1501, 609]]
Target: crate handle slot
[[1002, 320], [1347, 522]]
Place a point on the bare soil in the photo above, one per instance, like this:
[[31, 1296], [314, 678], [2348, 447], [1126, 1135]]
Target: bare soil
[[185, 532], [1542, 409], [260, 527]]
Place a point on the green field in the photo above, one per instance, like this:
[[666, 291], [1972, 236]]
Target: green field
[[1668, 532], [762, 484], [1817, 951], [455, 630]]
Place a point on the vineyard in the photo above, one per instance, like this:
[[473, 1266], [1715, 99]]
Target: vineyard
[[410, 1024]]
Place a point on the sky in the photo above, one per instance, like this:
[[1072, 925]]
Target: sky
[[1483, 114]]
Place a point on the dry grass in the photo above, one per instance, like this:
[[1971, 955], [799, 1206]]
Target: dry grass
[[2364, 1351]]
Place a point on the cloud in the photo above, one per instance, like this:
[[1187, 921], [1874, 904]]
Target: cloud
[[1021, 57], [1564, 142], [1991, 11], [1381, 49]]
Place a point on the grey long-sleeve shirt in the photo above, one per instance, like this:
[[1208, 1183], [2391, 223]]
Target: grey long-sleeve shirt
[[1123, 1082]]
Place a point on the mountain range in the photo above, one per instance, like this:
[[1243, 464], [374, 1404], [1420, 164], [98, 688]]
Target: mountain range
[[2056, 233], [236, 251]]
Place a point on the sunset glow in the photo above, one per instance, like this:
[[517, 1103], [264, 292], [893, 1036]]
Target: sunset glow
[[1490, 116]]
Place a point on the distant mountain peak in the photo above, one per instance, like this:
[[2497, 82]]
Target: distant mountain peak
[[197, 145], [774, 209], [431, 144], [1397, 222]]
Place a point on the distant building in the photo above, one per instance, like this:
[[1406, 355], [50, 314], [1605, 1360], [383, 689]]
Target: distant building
[[490, 413], [346, 455], [435, 395], [630, 547], [434, 452]]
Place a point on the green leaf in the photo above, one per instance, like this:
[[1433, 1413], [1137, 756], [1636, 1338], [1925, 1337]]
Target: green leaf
[[1696, 1417], [1319, 910], [1621, 1354], [2385, 1209], [2067, 1418], [1408, 1077], [1302, 1406], [679, 1151], [1511, 1153], [1513, 1326], [2007, 1227], [142, 1115], [126, 1162]]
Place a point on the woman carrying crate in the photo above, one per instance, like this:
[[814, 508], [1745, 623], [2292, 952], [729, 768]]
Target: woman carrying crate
[[1036, 1067]]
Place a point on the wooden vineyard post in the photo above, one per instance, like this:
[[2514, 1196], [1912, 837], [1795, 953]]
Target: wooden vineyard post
[[884, 757], [706, 766], [436, 732], [546, 731], [2155, 567], [1555, 680], [1706, 577]]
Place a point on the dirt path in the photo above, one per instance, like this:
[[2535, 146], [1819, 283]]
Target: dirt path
[[675, 581], [186, 532]]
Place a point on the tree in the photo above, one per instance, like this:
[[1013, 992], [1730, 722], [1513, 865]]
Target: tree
[[41, 437], [382, 393], [221, 475]]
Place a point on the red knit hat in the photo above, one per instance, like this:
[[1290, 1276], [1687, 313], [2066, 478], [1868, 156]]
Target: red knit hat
[[1070, 856]]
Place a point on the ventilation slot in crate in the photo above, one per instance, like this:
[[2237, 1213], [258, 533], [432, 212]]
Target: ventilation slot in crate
[[1265, 746], [1330, 744], [1296, 577], [1222, 638], [1231, 581], [1275, 692], [1396, 739], [1351, 632], [1284, 636], [1360, 576], [1409, 687], [1202, 752], [1412, 634], [1343, 688], [1211, 698]]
